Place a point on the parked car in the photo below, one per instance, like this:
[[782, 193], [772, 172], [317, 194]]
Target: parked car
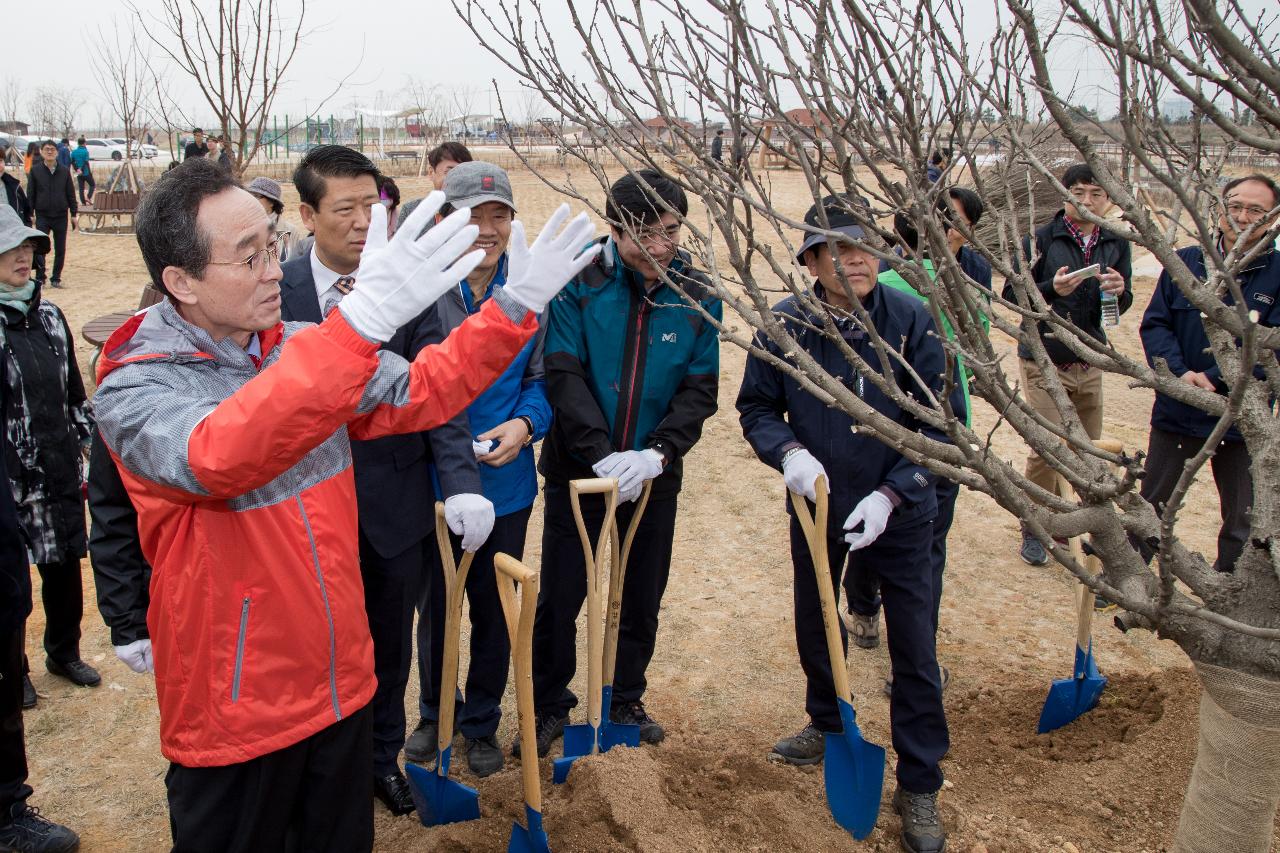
[[140, 149], [104, 149]]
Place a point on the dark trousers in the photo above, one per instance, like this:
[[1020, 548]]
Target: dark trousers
[[479, 708], [391, 589], [316, 795], [13, 750], [564, 589], [1167, 454], [57, 226], [862, 586], [63, 599], [84, 180], [902, 563]]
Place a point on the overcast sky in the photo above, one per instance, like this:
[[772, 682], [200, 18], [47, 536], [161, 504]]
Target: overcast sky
[[424, 39]]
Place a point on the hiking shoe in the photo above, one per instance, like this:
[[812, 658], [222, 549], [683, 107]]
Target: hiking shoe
[[28, 832], [865, 630], [29, 697], [944, 675], [634, 714], [805, 747], [77, 672], [484, 756], [1032, 552], [420, 747], [547, 727], [922, 830]]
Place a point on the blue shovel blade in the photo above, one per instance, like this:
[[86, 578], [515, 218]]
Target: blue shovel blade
[[854, 774], [579, 740], [1071, 698], [440, 799], [531, 840], [615, 734], [560, 768]]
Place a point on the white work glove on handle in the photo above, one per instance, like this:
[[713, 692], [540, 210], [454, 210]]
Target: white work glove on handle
[[535, 274], [800, 471], [397, 280], [471, 517], [632, 469], [873, 513], [137, 656]]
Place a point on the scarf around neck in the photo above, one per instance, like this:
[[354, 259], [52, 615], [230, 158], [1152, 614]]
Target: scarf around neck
[[17, 298]]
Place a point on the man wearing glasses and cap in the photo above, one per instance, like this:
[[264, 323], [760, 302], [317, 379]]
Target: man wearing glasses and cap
[[882, 505]]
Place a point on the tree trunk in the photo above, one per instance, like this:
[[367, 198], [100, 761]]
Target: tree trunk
[[1235, 784]]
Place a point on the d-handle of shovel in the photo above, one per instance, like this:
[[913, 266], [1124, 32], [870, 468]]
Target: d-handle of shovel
[[594, 557], [814, 527], [519, 616], [617, 578], [455, 584]]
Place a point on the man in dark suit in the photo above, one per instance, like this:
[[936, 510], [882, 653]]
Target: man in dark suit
[[394, 494]]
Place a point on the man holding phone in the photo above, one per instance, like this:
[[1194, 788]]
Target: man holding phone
[[1065, 248]]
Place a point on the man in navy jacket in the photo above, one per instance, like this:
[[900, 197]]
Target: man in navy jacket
[[885, 502], [1173, 333]]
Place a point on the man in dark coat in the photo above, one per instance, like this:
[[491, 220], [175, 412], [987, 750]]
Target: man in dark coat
[[14, 195], [52, 194]]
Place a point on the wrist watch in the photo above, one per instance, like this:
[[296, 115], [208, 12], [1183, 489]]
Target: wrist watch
[[528, 422]]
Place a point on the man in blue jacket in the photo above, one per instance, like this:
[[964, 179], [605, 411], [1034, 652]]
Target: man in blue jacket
[[632, 374], [1173, 333], [885, 503], [505, 421]]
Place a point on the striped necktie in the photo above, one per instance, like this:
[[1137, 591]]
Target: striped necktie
[[343, 286]]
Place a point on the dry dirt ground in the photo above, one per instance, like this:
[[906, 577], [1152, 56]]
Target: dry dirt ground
[[725, 681]]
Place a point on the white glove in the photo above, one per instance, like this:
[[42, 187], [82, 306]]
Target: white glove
[[397, 280], [801, 471], [535, 274], [137, 656], [482, 448], [873, 512], [471, 517]]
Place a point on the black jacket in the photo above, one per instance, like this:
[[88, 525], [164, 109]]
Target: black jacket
[[15, 571], [394, 495], [777, 414], [121, 574], [16, 197], [51, 193], [1055, 248]]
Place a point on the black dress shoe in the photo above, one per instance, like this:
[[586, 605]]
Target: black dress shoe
[[76, 671], [29, 697], [393, 790]]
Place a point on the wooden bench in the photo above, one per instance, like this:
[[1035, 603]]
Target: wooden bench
[[403, 155], [99, 329], [122, 204]]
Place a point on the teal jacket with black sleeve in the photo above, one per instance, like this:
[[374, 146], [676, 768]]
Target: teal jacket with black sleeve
[[629, 370]]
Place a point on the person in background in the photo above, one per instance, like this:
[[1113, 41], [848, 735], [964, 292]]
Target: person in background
[[968, 208], [53, 197], [268, 194], [81, 165], [218, 154], [389, 195], [717, 147], [14, 195], [443, 158], [32, 157], [49, 424], [64, 152], [21, 826], [938, 163], [197, 147]]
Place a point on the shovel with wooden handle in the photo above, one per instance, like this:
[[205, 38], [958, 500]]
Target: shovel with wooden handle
[[618, 734], [440, 799], [580, 740], [519, 615], [852, 768], [1071, 698]]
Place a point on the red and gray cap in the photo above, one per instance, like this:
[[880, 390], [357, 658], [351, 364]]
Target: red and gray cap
[[472, 184]]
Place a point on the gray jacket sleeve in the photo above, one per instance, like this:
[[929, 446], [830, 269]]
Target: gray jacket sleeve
[[455, 461]]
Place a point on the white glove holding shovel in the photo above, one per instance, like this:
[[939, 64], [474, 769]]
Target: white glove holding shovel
[[800, 471], [470, 516], [535, 274], [398, 279]]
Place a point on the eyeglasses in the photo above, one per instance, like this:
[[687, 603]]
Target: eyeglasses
[[258, 262], [1235, 208]]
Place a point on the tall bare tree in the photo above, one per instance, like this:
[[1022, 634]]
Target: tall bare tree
[[10, 97], [54, 109], [855, 97], [123, 73]]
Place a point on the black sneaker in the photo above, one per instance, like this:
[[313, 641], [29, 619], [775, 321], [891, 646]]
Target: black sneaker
[[634, 714], [56, 282], [922, 830], [29, 697], [77, 672], [420, 747], [1032, 552], [805, 747], [28, 832], [484, 756], [546, 727]]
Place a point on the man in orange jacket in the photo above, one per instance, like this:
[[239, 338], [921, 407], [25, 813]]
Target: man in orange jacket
[[231, 431]]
